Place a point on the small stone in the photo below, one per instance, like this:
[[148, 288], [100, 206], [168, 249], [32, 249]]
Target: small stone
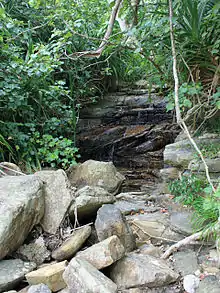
[[104, 253], [81, 277], [209, 284], [12, 271], [190, 283], [72, 244], [50, 275], [40, 288]]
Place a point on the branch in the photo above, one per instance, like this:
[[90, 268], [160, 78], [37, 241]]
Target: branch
[[97, 53]]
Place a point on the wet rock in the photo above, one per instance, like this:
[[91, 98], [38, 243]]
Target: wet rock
[[191, 283], [50, 275], [81, 277], [185, 262], [136, 270], [181, 221], [109, 222], [89, 199], [21, 207], [95, 173], [104, 253], [36, 251], [40, 288], [72, 244], [12, 272], [209, 284], [57, 198]]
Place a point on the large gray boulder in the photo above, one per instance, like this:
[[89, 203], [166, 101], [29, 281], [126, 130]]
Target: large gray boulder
[[58, 198], [21, 207], [89, 199], [12, 271], [104, 253], [110, 221], [81, 277], [95, 173], [136, 270]]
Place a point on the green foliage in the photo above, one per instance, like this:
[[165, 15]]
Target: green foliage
[[196, 193], [210, 151], [188, 190]]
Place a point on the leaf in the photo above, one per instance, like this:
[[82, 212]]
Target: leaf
[[170, 106], [218, 104]]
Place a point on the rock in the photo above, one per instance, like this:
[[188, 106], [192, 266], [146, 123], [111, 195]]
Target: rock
[[95, 173], [11, 291], [89, 199], [170, 173], [12, 272], [36, 251], [81, 277], [150, 250], [191, 283], [213, 165], [209, 284], [40, 288], [104, 253], [21, 207], [182, 222], [10, 169], [179, 154], [155, 224], [136, 270], [110, 221], [185, 262], [50, 275], [72, 244], [57, 198], [126, 207]]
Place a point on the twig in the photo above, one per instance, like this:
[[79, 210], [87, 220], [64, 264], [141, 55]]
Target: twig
[[3, 173], [76, 223], [180, 243], [9, 169]]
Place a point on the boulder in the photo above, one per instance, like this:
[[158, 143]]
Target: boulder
[[36, 251], [181, 221], [213, 165], [58, 198], [12, 272], [21, 207], [110, 221], [89, 199], [136, 270], [40, 288], [104, 253], [81, 277], [72, 244], [95, 173], [50, 275]]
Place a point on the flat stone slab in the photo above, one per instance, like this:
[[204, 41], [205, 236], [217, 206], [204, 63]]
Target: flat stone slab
[[50, 275], [81, 277], [185, 262], [12, 271]]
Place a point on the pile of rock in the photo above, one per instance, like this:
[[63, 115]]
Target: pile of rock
[[39, 245]]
